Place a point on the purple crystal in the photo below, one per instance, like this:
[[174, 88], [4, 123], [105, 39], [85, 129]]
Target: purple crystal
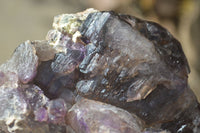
[[26, 62], [68, 96], [55, 84], [53, 112], [44, 51], [34, 96], [92, 116], [57, 111], [66, 63], [41, 115]]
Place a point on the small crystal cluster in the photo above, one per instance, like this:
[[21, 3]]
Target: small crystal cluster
[[98, 72]]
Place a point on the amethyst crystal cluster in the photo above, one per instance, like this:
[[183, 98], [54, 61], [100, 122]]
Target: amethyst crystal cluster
[[98, 72]]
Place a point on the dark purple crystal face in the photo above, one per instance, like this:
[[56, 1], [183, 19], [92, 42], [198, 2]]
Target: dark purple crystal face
[[66, 63], [59, 75], [133, 64]]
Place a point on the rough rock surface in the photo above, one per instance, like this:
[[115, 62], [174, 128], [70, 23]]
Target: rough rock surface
[[98, 72]]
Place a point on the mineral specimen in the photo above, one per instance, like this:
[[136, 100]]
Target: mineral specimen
[[98, 72]]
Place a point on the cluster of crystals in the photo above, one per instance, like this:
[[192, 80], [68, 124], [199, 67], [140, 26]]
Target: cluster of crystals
[[98, 72], [37, 83], [20, 98]]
